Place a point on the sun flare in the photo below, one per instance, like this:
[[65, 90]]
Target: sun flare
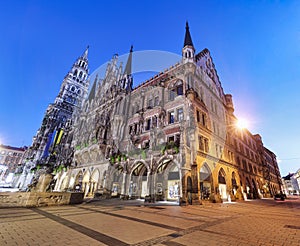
[[242, 124]]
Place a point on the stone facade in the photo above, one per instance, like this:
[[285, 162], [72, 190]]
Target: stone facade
[[172, 137], [10, 161], [39, 199]]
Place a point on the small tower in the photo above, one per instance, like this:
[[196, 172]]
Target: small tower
[[188, 51]]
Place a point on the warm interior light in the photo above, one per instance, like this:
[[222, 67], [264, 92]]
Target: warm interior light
[[241, 123]]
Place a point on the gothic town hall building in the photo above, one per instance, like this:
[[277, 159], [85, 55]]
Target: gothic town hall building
[[173, 137]]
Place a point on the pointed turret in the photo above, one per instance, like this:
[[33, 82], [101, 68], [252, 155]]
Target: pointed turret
[[127, 79], [85, 53], [129, 62], [188, 51], [187, 39]]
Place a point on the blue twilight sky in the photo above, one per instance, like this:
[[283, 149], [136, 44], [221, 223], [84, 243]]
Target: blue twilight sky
[[255, 46]]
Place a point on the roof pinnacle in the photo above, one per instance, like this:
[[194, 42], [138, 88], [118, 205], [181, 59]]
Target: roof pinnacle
[[187, 39]]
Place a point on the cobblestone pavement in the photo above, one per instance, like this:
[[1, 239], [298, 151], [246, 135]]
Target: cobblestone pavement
[[257, 222]]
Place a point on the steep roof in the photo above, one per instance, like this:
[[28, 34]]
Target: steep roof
[[187, 39]]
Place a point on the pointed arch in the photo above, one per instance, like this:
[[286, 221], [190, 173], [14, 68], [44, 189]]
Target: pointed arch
[[117, 179], [95, 176], [222, 176], [206, 181]]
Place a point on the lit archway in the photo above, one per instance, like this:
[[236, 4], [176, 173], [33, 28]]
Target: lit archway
[[222, 183], [138, 181], [117, 178], [205, 182], [86, 183], [167, 181], [234, 184]]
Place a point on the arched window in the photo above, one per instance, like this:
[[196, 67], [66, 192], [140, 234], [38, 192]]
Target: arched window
[[75, 73], [73, 88], [80, 74], [221, 176]]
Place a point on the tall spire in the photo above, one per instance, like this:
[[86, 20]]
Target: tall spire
[[85, 54], [187, 39], [129, 62]]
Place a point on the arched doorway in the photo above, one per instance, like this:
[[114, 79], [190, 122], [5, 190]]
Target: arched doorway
[[86, 183], [254, 190], [138, 181], [64, 184], [248, 189], [72, 182], [234, 183], [189, 189], [222, 184], [205, 182], [94, 181], [78, 181], [117, 182], [167, 181]]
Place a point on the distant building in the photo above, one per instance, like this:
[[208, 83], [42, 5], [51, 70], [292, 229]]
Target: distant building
[[172, 137], [51, 144], [291, 183], [296, 180], [10, 161]]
